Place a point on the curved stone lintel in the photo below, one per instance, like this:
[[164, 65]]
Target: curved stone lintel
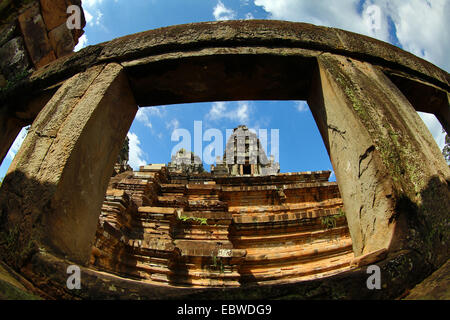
[[255, 37], [236, 34]]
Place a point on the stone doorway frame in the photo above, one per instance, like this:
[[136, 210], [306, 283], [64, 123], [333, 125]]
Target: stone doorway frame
[[391, 175]]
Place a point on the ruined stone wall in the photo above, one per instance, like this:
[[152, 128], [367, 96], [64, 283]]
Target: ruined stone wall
[[32, 34], [283, 228]]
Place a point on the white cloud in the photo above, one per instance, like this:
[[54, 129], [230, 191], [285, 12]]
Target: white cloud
[[16, 144], [220, 110], [435, 128], [94, 19], [88, 16], [221, 12], [91, 3], [173, 124], [249, 16], [242, 111], [82, 43], [419, 25], [217, 110], [301, 106], [326, 12], [93, 12], [142, 116], [145, 115], [136, 155]]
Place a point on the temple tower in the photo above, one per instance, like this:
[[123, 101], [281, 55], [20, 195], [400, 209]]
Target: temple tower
[[244, 155]]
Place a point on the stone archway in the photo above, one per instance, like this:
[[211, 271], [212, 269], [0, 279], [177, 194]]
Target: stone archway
[[392, 177]]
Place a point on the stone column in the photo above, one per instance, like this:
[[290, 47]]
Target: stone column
[[53, 191], [391, 174]]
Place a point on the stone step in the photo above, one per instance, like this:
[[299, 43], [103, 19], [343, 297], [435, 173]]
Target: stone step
[[269, 237], [210, 215], [265, 256], [172, 188], [172, 201], [296, 271], [166, 211], [202, 233], [286, 207]]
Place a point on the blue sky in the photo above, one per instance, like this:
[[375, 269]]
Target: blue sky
[[418, 26]]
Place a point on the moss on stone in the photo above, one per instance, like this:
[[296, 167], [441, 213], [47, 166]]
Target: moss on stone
[[203, 221], [10, 292], [16, 246]]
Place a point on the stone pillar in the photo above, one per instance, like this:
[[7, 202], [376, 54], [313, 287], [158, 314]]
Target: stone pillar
[[391, 174], [55, 186]]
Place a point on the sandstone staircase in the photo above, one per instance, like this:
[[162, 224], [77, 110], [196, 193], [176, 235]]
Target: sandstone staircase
[[156, 229]]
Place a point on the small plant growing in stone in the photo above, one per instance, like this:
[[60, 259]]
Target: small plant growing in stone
[[328, 222], [341, 214], [217, 262], [202, 221]]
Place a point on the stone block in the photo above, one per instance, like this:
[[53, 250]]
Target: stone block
[[54, 13], [369, 258], [35, 37], [13, 58], [7, 33], [61, 40]]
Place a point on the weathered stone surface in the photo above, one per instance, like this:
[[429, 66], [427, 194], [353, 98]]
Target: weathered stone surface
[[424, 97], [54, 13], [435, 287], [14, 59], [400, 273], [35, 37], [68, 135], [387, 179], [61, 40], [369, 258], [7, 33]]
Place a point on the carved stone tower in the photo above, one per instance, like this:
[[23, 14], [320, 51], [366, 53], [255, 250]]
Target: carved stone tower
[[244, 155]]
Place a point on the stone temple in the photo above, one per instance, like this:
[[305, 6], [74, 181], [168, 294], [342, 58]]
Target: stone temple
[[243, 222], [242, 230]]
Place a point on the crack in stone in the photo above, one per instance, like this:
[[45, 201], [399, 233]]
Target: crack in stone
[[40, 135], [336, 129], [364, 156]]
